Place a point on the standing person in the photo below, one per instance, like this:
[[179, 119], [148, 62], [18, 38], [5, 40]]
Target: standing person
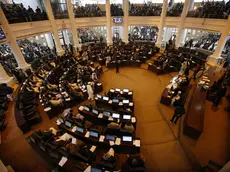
[[183, 68], [90, 91], [198, 67], [71, 48], [179, 111], [117, 66], [220, 93]]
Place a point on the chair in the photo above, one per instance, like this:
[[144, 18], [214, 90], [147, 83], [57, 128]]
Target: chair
[[109, 165]]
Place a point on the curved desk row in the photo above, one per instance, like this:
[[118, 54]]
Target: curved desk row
[[105, 101], [120, 145], [101, 117], [126, 93]]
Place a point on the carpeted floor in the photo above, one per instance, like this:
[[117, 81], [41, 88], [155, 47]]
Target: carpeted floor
[[159, 139]]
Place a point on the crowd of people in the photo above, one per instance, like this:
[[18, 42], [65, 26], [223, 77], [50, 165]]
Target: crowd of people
[[89, 10], [207, 41], [211, 9], [175, 10], [145, 33], [118, 52], [149, 9], [16, 13], [7, 59], [89, 35], [35, 52], [116, 10]]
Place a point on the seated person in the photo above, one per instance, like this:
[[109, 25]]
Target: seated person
[[56, 101], [135, 161], [114, 125], [109, 156], [74, 86], [129, 127]]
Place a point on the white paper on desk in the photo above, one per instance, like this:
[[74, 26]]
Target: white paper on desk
[[120, 104], [100, 115], [74, 141], [130, 93], [68, 99], [88, 169], [137, 143], [112, 90], [93, 148], [101, 138], [118, 141], [99, 84], [111, 143], [47, 109], [87, 134], [131, 104], [133, 119], [110, 102], [58, 122], [81, 108], [110, 118], [62, 161], [74, 129]]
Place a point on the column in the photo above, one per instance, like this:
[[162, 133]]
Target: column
[[12, 41], [108, 23], [220, 46], [49, 40], [162, 22], [66, 37], [73, 24], [191, 5], [49, 12], [182, 21], [126, 15], [4, 78]]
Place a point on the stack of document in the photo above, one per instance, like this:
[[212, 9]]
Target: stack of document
[[137, 143], [102, 138], [118, 141]]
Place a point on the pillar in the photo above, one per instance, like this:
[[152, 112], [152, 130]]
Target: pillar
[[12, 41], [213, 59], [162, 23], [191, 5], [182, 21], [73, 24], [66, 37], [49, 40], [126, 16], [49, 12], [108, 23]]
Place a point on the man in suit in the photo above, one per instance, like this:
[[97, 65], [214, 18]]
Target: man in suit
[[179, 111], [117, 66]]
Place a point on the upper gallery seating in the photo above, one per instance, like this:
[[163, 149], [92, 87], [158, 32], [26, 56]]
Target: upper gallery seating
[[16, 13], [149, 9], [175, 10], [116, 10], [211, 9], [89, 10]]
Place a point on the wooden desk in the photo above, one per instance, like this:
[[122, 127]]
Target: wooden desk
[[113, 93], [193, 123], [109, 103], [155, 69], [127, 148], [165, 99], [104, 121]]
